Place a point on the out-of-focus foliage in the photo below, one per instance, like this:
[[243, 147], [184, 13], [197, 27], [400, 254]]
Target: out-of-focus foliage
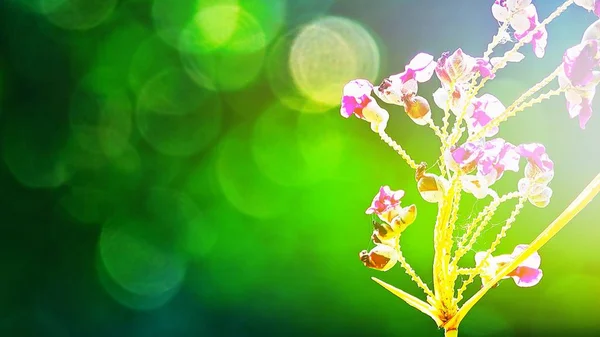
[[180, 168]]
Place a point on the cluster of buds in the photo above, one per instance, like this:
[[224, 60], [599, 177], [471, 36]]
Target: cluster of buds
[[474, 163], [394, 219]]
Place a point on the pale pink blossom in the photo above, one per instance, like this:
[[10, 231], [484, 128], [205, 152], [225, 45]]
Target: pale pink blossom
[[536, 155], [385, 200], [394, 88], [497, 156], [516, 12], [459, 67], [527, 274], [481, 111], [534, 33], [357, 100]]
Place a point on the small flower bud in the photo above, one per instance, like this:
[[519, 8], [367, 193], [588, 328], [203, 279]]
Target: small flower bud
[[417, 108], [431, 186], [388, 232], [381, 257]]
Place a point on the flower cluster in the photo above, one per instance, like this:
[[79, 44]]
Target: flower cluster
[[527, 274], [472, 158], [386, 234]]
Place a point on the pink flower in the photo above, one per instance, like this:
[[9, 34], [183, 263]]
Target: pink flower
[[536, 155], [498, 156], [457, 98], [481, 111], [520, 10], [458, 67], [394, 88], [464, 157], [590, 5], [527, 274], [385, 201], [534, 34], [579, 62], [484, 67], [579, 79], [357, 95], [357, 100]]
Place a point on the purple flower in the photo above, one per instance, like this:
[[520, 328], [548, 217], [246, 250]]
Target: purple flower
[[357, 100], [357, 95], [465, 157], [527, 274], [458, 67], [481, 111], [498, 156], [579, 62], [539, 37], [536, 155], [395, 88], [385, 201]]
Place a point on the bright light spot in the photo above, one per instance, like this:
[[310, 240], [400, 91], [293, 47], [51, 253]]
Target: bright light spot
[[328, 53], [280, 79], [77, 14], [224, 56], [175, 116], [171, 17]]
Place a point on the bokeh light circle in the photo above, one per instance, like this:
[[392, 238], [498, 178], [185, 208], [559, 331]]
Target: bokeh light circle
[[175, 116], [241, 181], [225, 27], [130, 299], [143, 251], [279, 77], [135, 263], [150, 58], [328, 53], [171, 17], [77, 14], [101, 123], [229, 58], [283, 161]]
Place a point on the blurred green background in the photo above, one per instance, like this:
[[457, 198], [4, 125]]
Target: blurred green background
[[180, 168]]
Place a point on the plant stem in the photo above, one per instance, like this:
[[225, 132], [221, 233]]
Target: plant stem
[[411, 300], [451, 332], [519, 105], [582, 200], [388, 140]]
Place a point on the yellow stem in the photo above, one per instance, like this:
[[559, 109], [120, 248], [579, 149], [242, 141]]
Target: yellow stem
[[388, 140], [473, 92], [519, 105], [467, 240], [411, 300], [582, 200], [436, 130], [443, 242], [451, 332], [511, 219], [413, 275]]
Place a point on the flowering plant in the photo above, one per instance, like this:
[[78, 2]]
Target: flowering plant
[[471, 160]]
